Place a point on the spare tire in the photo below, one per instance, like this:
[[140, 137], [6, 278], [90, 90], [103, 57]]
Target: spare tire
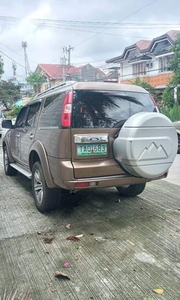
[[146, 145]]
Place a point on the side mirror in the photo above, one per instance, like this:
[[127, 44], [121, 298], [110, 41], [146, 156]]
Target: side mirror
[[7, 124]]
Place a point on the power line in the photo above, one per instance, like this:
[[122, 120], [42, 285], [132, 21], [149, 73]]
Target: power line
[[12, 59], [98, 24], [116, 23], [102, 31]]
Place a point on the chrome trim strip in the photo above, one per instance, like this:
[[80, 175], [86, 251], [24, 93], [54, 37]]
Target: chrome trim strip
[[90, 138], [104, 178]]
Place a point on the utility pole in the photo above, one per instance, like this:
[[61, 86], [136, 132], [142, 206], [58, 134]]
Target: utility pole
[[68, 52], [175, 95], [27, 66], [14, 69]]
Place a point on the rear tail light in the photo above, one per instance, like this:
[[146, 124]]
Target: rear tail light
[[85, 184], [67, 110], [81, 184]]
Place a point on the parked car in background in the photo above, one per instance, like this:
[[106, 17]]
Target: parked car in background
[[1, 119], [82, 135], [177, 126]]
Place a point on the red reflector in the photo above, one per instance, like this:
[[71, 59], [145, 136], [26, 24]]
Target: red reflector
[[155, 104], [81, 184], [67, 110]]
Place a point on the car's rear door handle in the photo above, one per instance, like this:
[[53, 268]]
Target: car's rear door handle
[[31, 136]]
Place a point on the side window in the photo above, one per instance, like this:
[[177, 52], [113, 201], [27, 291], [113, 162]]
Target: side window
[[32, 114], [21, 118], [51, 114]]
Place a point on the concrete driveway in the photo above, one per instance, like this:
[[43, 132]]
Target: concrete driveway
[[127, 247], [174, 172]]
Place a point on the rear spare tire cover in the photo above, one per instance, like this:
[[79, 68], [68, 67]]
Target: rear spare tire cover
[[146, 145]]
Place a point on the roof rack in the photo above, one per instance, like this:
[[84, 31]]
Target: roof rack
[[66, 83]]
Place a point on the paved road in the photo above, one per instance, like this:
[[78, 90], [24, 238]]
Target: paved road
[[129, 246], [174, 172]]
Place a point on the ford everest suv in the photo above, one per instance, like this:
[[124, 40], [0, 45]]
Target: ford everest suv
[[81, 135]]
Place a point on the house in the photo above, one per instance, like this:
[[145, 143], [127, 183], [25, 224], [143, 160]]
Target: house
[[58, 73], [147, 59]]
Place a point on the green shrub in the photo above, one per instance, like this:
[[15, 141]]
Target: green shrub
[[172, 113], [13, 112]]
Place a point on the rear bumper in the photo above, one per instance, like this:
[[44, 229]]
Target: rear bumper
[[103, 182], [63, 176]]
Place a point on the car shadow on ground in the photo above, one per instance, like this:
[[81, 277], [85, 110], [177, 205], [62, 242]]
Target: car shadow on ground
[[99, 199]]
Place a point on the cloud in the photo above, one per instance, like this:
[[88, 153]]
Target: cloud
[[80, 23]]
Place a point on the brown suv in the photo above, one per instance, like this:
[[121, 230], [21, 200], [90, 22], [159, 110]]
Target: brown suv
[[80, 135]]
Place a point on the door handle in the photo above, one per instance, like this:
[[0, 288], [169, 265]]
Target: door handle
[[31, 136]]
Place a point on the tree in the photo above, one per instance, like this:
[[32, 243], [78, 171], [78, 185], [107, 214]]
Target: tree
[[146, 86], [36, 80], [9, 93], [168, 94], [175, 63], [1, 66], [168, 97]]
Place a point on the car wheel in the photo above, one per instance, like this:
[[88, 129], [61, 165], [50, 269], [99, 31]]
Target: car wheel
[[131, 190], [178, 151], [46, 199], [7, 168]]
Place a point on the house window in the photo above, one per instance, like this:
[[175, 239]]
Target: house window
[[164, 63], [139, 68], [47, 86]]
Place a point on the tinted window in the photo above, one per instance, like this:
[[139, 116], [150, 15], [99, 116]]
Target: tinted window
[[51, 114], [107, 108], [21, 118], [32, 114]]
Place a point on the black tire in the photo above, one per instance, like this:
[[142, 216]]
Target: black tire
[[7, 168], [178, 151], [131, 190], [45, 199]]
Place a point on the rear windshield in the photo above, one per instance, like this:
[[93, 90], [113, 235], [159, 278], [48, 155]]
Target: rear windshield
[[108, 109]]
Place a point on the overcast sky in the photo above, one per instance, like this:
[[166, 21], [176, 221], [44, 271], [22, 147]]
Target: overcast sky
[[97, 29]]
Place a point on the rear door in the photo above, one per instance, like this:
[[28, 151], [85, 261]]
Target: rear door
[[97, 117]]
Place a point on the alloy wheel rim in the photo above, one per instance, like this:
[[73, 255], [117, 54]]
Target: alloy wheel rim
[[38, 187], [5, 160]]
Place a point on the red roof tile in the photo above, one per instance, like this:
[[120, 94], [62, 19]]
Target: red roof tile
[[57, 70], [173, 34], [143, 44]]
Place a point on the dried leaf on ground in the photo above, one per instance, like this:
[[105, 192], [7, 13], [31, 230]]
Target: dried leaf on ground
[[66, 265], [158, 291], [59, 274], [175, 234], [48, 240], [79, 236], [68, 226], [79, 248], [73, 238]]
